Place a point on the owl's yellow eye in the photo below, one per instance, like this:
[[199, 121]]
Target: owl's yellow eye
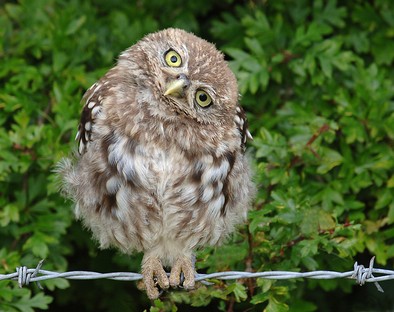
[[173, 59], [203, 99]]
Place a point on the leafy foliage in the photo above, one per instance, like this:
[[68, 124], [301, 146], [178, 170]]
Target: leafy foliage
[[316, 79]]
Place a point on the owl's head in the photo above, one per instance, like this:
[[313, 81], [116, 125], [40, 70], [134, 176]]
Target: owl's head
[[186, 75]]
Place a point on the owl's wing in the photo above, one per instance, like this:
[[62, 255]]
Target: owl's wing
[[242, 125], [90, 111]]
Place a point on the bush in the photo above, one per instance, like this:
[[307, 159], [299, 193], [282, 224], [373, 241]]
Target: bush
[[316, 80]]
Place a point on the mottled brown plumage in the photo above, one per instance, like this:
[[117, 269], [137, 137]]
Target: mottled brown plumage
[[161, 166]]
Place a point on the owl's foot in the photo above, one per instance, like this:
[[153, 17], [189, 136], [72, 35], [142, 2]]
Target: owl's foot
[[182, 265], [153, 274]]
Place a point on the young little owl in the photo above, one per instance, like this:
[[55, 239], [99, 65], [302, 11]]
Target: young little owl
[[161, 166]]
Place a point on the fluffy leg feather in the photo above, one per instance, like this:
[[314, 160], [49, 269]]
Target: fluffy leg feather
[[154, 274], [182, 265]]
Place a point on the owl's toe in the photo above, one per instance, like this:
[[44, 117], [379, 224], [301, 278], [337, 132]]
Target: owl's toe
[[154, 276], [183, 265]]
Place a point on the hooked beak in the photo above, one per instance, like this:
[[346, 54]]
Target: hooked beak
[[177, 87]]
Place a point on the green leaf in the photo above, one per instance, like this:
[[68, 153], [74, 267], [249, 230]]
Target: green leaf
[[255, 47], [37, 245], [9, 214], [390, 215], [276, 306], [238, 290], [385, 198], [75, 25], [310, 224], [259, 298], [326, 221], [27, 303], [330, 160]]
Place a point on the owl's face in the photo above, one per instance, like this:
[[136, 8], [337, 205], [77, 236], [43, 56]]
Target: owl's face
[[186, 74]]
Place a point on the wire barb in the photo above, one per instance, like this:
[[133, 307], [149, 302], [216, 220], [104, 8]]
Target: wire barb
[[25, 275], [361, 274]]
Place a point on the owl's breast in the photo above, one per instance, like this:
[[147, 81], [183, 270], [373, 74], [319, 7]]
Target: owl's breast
[[149, 194], [146, 166], [185, 188]]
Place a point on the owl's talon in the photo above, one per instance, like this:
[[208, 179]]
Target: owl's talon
[[154, 276], [183, 266]]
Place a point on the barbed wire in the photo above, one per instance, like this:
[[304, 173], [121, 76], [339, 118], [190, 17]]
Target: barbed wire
[[359, 273]]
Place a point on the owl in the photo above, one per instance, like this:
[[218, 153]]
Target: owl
[[160, 167]]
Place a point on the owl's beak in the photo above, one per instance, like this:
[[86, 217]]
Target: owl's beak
[[178, 86]]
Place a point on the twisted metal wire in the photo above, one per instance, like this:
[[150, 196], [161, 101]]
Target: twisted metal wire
[[361, 274]]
